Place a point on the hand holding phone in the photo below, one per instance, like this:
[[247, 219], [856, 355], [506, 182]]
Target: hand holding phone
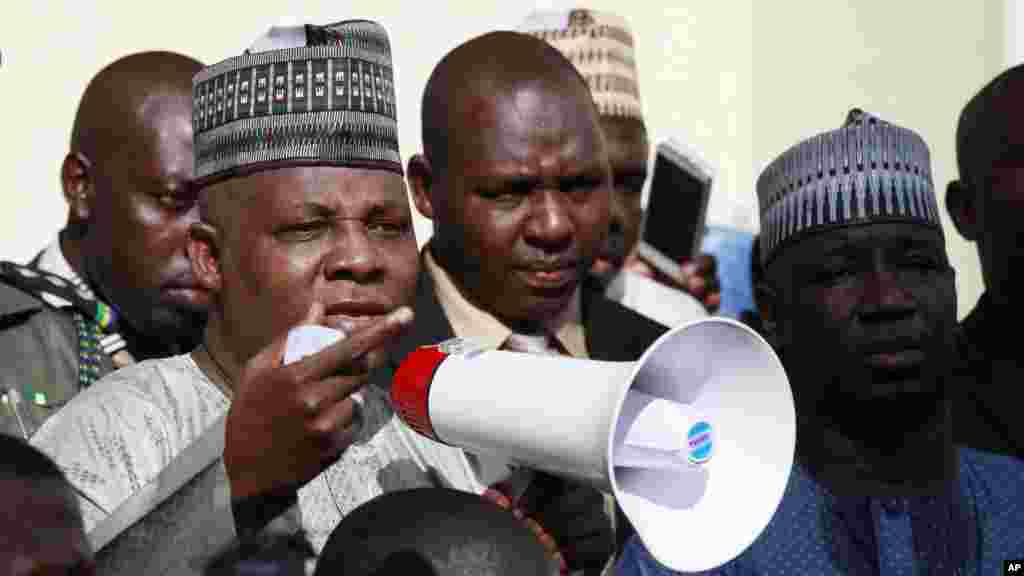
[[674, 221]]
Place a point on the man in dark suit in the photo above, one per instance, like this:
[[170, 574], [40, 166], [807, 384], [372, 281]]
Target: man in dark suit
[[985, 205], [516, 179]]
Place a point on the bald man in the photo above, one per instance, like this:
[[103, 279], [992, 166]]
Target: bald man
[[516, 178], [986, 205], [432, 532], [607, 62], [116, 285]]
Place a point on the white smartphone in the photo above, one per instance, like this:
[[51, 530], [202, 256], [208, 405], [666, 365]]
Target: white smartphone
[[677, 203]]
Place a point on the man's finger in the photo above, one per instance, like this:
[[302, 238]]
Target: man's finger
[[339, 357], [713, 301], [334, 417], [323, 394], [707, 264], [696, 285], [273, 355], [335, 445]]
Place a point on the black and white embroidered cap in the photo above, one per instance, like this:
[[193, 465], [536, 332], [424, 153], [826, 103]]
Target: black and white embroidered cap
[[868, 171], [301, 95]]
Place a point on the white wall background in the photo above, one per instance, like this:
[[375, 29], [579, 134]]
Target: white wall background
[[912, 62], [694, 77], [741, 82]]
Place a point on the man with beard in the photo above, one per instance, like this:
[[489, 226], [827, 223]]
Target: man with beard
[[116, 286], [520, 206], [606, 61], [860, 299], [985, 205]]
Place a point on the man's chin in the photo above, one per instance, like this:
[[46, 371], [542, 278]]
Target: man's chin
[[176, 323], [535, 309]]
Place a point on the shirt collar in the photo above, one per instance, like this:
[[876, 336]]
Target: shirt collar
[[52, 260], [469, 321]]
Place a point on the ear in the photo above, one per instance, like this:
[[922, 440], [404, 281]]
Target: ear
[[961, 204], [203, 247], [76, 179], [420, 179]]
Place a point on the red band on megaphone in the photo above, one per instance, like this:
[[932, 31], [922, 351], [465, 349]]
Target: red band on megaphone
[[410, 388]]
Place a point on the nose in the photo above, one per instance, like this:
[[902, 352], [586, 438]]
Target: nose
[[180, 227], [550, 226], [352, 255], [885, 298]]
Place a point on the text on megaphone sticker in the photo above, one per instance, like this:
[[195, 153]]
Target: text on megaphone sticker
[[699, 443]]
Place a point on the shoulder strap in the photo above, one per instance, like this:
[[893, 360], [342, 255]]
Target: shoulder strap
[[38, 283]]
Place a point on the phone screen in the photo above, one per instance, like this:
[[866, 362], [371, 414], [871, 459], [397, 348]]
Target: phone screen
[[674, 222]]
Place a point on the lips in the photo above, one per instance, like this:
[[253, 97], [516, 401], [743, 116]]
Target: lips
[[548, 278], [352, 315], [185, 291], [894, 355]]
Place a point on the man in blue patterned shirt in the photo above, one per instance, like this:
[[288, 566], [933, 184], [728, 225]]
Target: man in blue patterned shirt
[[861, 305]]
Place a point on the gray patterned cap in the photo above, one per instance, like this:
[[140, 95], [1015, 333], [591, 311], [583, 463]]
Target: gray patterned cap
[[302, 95], [600, 46], [868, 171]]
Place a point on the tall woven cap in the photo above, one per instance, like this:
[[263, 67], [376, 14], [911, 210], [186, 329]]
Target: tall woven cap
[[868, 171], [600, 46], [301, 95]]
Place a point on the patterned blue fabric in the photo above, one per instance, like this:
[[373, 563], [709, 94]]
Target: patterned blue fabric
[[731, 248], [805, 537]]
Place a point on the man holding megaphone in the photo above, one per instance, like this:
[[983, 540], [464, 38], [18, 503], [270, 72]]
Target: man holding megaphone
[[861, 303], [516, 179]]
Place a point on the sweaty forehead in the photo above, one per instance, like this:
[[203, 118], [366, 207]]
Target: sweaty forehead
[[814, 250], [531, 122], [166, 124], [347, 191]]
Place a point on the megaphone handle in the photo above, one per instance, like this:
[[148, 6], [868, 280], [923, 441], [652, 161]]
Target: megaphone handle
[[497, 495]]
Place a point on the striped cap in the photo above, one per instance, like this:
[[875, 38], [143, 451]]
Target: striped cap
[[866, 172], [302, 95], [600, 46]]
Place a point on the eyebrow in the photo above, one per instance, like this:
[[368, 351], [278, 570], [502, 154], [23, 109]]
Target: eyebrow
[[371, 208], [847, 247], [514, 177]]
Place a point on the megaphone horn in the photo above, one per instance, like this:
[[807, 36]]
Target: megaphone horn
[[695, 440]]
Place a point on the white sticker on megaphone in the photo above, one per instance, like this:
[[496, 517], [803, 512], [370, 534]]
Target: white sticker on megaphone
[[662, 434]]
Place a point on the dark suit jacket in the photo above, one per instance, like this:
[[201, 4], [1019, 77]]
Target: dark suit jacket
[[38, 354], [612, 333]]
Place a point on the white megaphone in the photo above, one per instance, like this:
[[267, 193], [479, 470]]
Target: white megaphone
[[695, 440]]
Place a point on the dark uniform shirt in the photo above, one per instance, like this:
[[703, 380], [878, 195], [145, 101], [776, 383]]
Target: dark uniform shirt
[[50, 340], [38, 361]]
